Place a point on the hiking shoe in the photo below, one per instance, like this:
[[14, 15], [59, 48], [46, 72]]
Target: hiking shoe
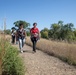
[[21, 51], [34, 52]]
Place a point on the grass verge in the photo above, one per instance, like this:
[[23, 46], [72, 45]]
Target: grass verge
[[64, 51]]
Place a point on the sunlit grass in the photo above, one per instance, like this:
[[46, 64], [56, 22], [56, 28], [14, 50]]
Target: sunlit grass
[[64, 51]]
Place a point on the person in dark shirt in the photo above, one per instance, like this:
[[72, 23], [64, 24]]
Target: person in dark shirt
[[13, 36], [21, 34]]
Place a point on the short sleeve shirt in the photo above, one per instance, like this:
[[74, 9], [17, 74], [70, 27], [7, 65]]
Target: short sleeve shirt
[[34, 30], [21, 33]]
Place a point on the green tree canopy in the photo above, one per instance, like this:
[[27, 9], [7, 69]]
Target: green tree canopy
[[26, 24], [62, 31], [44, 33], [8, 31]]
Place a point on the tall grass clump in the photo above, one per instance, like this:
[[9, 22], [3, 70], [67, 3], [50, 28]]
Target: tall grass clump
[[11, 63], [3, 44], [64, 51]]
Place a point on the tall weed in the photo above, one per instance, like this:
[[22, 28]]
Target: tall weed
[[11, 62]]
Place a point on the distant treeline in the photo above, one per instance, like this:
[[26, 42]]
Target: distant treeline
[[57, 31], [60, 31]]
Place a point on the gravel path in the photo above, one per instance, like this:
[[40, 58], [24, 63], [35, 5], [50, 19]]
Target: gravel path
[[40, 63]]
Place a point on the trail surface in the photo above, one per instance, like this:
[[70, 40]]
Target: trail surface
[[40, 63]]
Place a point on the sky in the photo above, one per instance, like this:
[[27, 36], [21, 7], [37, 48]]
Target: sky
[[44, 12]]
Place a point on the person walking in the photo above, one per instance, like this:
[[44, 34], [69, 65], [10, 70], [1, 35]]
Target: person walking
[[17, 39], [21, 34], [34, 35], [13, 36]]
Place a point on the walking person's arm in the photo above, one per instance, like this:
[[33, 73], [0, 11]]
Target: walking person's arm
[[25, 34], [39, 35]]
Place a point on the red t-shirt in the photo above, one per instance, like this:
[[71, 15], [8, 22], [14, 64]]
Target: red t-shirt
[[34, 30]]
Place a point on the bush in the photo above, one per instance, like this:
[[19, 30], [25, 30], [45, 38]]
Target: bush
[[12, 64], [8, 31], [44, 34], [28, 33]]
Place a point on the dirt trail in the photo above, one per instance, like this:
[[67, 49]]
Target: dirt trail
[[40, 63]]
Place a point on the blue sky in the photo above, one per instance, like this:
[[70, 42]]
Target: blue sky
[[44, 12]]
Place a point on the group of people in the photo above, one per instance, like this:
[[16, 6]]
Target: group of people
[[20, 36]]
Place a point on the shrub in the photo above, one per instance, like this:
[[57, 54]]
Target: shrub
[[12, 63], [28, 33], [44, 34], [8, 31]]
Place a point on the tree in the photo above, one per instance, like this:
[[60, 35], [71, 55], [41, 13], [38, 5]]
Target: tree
[[68, 31], [55, 31], [74, 34], [8, 31], [60, 22], [46, 29], [44, 33], [61, 31], [26, 25]]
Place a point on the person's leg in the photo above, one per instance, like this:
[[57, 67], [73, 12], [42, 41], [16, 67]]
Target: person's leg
[[13, 39], [16, 40], [32, 39], [20, 45], [23, 42], [34, 44]]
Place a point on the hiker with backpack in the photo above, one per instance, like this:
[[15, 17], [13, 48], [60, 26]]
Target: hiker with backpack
[[34, 36], [21, 34]]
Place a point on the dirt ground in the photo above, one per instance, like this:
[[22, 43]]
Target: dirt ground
[[40, 63]]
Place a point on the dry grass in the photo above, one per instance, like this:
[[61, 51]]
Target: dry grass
[[3, 38], [64, 51]]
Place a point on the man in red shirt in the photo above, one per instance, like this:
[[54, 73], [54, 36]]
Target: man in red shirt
[[34, 35]]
